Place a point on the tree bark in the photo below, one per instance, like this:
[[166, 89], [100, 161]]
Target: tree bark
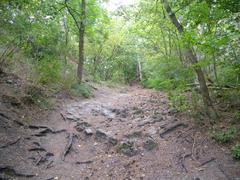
[[81, 42], [200, 75], [139, 69]]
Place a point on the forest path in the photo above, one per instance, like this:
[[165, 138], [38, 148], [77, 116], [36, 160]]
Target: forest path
[[119, 134]]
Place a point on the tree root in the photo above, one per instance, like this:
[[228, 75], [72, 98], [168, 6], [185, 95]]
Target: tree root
[[4, 116], [11, 171], [48, 130], [43, 159], [172, 128], [84, 162], [10, 143], [181, 161], [207, 161], [68, 146], [64, 118]]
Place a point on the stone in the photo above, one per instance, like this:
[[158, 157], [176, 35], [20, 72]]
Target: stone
[[152, 131], [73, 118], [163, 124], [157, 117], [100, 134], [150, 144], [113, 141], [81, 126], [136, 134], [173, 111], [128, 148], [88, 131]]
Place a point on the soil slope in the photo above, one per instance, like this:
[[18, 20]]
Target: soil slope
[[119, 134]]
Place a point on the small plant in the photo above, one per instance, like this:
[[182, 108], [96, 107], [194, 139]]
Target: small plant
[[237, 117], [226, 136], [236, 151], [81, 90], [36, 96]]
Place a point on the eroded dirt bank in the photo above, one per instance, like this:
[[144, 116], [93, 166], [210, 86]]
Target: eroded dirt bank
[[120, 134]]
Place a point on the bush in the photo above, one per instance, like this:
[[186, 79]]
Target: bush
[[178, 100], [36, 96], [225, 136], [81, 90], [49, 70], [236, 151], [237, 117]]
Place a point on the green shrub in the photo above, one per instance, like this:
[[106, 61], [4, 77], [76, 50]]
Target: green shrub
[[225, 136], [237, 117], [236, 151], [178, 100], [36, 96], [50, 70], [80, 90]]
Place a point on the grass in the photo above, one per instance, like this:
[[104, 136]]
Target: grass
[[236, 151], [81, 90], [226, 136]]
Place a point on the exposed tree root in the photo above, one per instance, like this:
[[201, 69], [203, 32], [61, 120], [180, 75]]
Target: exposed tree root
[[207, 161], [172, 128], [10, 143], [64, 118], [50, 164], [68, 146], [43, 159], [44, 132], [181, 161], [3, 115], [84, 162], [9, 170]]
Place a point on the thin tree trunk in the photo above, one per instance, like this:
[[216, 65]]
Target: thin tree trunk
[[139, 69], [81, 42], [215, 67], [202, 82]]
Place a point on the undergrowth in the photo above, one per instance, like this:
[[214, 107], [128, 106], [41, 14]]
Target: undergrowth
[[236, 151], [226, 136], [81, 90]]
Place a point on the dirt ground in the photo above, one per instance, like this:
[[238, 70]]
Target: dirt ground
[[120, 134]]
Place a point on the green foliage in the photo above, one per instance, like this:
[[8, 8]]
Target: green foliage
[[81, 90], [49, 70], [178, 100], [37, 97], [236, 118], [225, 136], [236, 151]]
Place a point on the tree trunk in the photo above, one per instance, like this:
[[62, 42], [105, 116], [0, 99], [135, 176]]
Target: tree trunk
[[202, 82], [81, 42], [139, 69]]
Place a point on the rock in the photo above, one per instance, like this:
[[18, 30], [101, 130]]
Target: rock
[[88, 131], [81, 126], [128, 148], [163, 124], [172, 111], [196, 178], [73, 118], [150, 144], [113, 141], [137, 111], [9, 81], [157, 117], [100, 134], [152, 131], [136, 134]]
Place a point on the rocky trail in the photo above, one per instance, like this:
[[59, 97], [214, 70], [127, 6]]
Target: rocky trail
[[120, 134]]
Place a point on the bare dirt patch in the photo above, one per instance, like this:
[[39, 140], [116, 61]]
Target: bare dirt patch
[[127, 133]]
